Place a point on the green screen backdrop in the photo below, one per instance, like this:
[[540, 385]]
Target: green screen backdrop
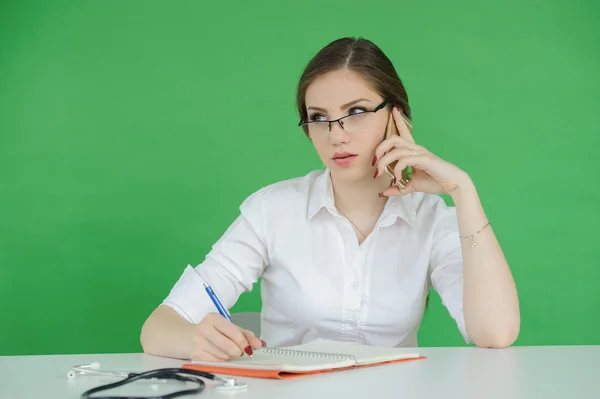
[[131, 131]]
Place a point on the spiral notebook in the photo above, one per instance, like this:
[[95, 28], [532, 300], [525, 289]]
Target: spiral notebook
[[296, 361]]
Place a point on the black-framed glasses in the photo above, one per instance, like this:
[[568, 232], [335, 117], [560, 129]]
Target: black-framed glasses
[[350, 123]]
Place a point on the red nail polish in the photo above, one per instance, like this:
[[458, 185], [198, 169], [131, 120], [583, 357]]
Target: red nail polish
[[248, 350], [375, 174], [374, 160], [264, 344], [381, 195], [394, 180]]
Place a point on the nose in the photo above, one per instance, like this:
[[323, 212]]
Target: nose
[[337, 134]]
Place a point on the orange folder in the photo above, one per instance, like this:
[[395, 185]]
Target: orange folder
[[280, 374], [317, 357]]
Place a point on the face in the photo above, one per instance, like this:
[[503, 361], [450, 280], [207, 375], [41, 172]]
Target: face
[[348, 152]]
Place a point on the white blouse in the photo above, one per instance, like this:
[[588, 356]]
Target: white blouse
[[317, 281]]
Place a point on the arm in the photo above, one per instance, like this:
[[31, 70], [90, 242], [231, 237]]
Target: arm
[[490, 301], [475, 282], [166, 333], [180, 326]]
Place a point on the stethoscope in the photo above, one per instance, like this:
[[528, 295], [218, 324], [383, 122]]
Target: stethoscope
[[176, 374]]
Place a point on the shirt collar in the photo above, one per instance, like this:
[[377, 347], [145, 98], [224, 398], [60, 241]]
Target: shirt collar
[[321, 196]]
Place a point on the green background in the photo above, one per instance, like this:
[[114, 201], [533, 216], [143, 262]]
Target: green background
[[131, 131]]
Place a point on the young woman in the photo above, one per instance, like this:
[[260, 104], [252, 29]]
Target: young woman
[[347, 253]]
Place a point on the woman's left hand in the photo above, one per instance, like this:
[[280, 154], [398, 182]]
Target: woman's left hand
[[430, 174]]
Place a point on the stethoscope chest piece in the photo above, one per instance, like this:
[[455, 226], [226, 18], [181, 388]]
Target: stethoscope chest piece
[[230, 384]]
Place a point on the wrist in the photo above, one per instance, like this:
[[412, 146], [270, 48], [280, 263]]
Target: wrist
[[464, 186]]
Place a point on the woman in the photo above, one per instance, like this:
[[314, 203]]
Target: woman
[[344, 254]]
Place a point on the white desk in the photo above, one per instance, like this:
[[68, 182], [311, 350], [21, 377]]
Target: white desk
[[448, 373]]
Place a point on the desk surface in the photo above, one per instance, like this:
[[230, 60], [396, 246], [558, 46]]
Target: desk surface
[[448, 373]]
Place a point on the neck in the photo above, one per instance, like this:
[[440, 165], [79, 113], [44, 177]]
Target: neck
[[361, 194]]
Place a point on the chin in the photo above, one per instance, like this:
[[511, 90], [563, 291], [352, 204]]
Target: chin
[[349, 173]]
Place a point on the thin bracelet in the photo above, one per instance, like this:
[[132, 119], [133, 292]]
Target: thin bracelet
[[472, 236]]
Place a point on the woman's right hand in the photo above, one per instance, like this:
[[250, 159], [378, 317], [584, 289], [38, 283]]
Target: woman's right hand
[[217, 339]]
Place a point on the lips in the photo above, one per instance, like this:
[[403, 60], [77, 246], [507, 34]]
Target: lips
[[343, 155], [344, 158]]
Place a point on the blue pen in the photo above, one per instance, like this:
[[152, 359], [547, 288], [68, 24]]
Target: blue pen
[[222, 310]]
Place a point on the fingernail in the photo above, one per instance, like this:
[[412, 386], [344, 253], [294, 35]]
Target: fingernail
[[375, 174], [248, 350], [381, 195], [394, 180], [264, 344], [374, 160]]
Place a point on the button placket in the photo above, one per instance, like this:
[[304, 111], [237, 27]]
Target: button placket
[[365, 273], [347, 329]]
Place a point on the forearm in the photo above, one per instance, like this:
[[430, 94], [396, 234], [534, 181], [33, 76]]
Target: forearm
[[165, 333], [490, 300]]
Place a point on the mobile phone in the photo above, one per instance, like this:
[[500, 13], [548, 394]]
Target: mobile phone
[[390, 130]]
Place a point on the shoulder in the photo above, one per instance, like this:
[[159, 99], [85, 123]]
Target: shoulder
[[282, 195]]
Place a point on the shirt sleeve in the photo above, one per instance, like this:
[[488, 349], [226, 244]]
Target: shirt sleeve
[[446, 264], [233, 265]]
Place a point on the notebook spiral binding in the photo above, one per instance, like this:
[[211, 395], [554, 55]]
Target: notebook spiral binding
[[320, 355]]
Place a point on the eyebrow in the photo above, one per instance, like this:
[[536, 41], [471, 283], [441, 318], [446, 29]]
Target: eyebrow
[[344, 106]]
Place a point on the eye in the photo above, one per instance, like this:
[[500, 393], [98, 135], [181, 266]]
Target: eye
[[356, 110], [317, 118]]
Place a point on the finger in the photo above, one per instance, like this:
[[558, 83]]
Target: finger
[[416, 161], [403, 124], [394, 142], [233, 334], [206, 356], [224, 344], [203, 344], [387, 159], [395, 155], [255, 343], [397, 191], [216, 351]]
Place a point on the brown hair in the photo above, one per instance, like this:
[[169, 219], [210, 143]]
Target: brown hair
[[361, 56]]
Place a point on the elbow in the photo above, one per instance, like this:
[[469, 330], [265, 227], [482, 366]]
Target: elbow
[[499, 341], [144, 338], [147, 337], [498, 337]]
